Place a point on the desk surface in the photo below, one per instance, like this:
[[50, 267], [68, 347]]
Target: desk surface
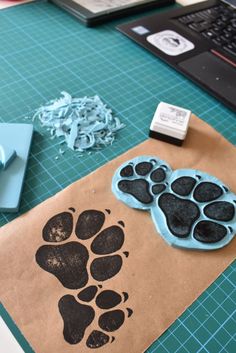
[[45, 51]]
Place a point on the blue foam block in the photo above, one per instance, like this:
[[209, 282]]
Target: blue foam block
[[15, 141]]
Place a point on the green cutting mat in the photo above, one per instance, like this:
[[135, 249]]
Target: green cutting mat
[[44, 51]]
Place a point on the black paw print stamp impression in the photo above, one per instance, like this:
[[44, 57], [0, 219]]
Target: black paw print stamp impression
[[70, 262], [190, 208]]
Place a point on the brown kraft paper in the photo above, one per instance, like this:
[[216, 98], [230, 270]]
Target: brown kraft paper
[[156, 282]]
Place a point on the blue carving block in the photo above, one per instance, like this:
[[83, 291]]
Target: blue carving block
[[15, 141]]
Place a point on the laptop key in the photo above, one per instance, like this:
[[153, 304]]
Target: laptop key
[[199, 27], [224, 39], [230, 49], [185, 19], [225, 18], [216, 29], [233, 23], [208, 34], [218, 41], [197, 19], [227, 35], [211, 12], [230, 29], [220, 23], [194, 26]]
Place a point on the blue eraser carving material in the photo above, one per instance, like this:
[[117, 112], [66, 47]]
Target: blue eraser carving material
[[15, 141], [7, 155]]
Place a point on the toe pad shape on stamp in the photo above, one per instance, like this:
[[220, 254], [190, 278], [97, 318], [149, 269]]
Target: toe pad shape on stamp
[[190, 209], [137, 182]]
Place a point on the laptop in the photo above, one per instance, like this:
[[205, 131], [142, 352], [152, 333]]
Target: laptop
[[197, 40], [94, 12]]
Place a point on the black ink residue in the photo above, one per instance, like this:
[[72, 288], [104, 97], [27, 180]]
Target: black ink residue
[[89, 223]]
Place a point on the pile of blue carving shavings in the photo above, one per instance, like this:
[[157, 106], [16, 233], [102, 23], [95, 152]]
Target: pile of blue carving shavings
[[84, 123]]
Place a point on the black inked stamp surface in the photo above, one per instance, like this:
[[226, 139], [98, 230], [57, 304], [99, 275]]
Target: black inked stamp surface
[[220, 211], [209, 232], [127, 171], [138, 188], [206, 192], [183, 185], [180, 214], [143, 168], [158, 175]]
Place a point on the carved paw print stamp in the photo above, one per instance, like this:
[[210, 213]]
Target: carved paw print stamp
[[70, 262], [190, 209]]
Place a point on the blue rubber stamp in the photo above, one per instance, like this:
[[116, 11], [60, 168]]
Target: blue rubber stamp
[[190, 209]]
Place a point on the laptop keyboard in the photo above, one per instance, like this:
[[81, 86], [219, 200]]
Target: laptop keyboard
[[217, 24]]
